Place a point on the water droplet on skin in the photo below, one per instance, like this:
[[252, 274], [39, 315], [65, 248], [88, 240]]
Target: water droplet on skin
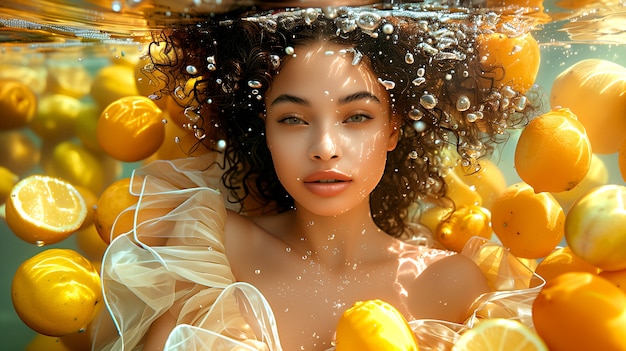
[[331, 237], [287, 249], [299, 277], [387, 84], [177, 140], [257, 271]]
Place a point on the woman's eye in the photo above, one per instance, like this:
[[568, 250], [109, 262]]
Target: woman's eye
[[292, 120], [357, 118]]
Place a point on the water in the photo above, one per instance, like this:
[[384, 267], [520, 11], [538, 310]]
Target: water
[[37, 35]]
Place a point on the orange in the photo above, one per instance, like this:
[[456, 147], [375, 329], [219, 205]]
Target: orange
[[112, 83], [499, 334], [594, 90], [90, 243], [488, 181], [563, 260], [112, 202], [466, 222], [553, 152], [18, 104], [131, 129], [597, 175], [56, 117], [44, 210], [595, 227], [56, 292], [529, 224], [621, 159], [374, 325], [508, 61], [581, 311], [19, 153], [618, 278], [432, 215], [8, 180]]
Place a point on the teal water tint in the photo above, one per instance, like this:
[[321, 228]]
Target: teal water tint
[[95, 33]]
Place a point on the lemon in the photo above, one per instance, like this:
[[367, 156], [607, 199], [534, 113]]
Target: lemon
[[77, 165], [112, 83], [19, 153], [18, 104], [68, 79], [44, 210], [56, 117], [8, 179], [56, 292], [374, 325], [499, 334]]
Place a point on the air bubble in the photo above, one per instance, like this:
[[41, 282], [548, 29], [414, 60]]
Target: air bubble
[[428, 101], [419, 81], [408, 58], [388, 28], [415, 114], [463, 103], [289, 50], [419, 126], [388, 84], [191, 70]]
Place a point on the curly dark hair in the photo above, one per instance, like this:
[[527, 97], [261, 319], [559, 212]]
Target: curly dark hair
[[220, 69]]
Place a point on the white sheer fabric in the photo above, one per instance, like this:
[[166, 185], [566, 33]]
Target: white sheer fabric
[[174, 259]]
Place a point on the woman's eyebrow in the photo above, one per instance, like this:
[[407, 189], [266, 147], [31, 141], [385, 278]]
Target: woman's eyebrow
[[283, 98], [361, 95]]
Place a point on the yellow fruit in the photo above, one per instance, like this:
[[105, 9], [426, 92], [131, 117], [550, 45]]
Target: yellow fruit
[[131, 129], [618, 278], [56, 292], [621, 160], [563, 260], [530, 225], [46, 343], [8, 180], [508, 61], [112, 83], [113, 200], [581, 311], [597, 175], [68, 79], [433, 214], [90, 243], [488, 181], [44, 210], [90, 203], [461, 193], [56, 117], [465, 222], [553, 152], [499, 334], [19, 153], [34, 76], [593, 89], [86, 127], [77, 165], [374, 325], [18, 104], [595, 227]]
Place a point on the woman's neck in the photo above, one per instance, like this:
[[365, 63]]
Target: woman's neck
[[336, 241]]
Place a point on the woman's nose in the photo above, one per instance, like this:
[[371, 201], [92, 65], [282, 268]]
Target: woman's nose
[[326, 147]]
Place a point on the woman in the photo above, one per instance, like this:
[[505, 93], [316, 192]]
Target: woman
[[331, 125]]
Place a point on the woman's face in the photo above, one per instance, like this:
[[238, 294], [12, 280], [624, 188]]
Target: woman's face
[[329, 128]]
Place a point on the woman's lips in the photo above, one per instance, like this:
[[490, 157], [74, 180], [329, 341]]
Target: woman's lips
[[327, 183]]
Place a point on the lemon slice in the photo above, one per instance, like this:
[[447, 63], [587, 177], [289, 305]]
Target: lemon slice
[[44, 210], [374, 325], [500, 334]]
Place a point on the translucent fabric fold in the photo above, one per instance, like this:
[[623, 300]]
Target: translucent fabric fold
[[174, 260]]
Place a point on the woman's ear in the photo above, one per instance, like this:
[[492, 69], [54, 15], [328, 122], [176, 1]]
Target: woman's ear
[[396, 123]]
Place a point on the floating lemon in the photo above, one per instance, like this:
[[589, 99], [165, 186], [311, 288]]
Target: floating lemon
[[374, 325], [18, 104], [499, 334], [465, 222], [44, 210], [530, 225], [581, 311], [56, 292], [131, 129], [553, 152]]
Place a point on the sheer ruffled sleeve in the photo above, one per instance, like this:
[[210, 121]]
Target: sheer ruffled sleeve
[[174, 258]]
